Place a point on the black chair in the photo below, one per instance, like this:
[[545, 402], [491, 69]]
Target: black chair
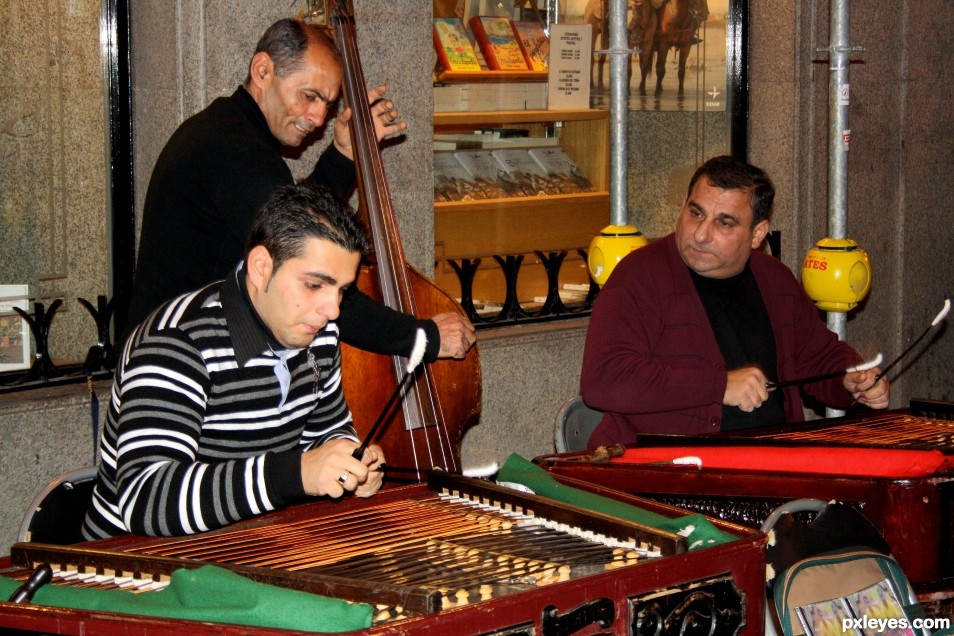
[[574, 425], [56, 514]]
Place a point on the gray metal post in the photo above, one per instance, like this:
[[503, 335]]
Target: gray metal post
[[553, 14], [838, 131], [839, 136], [619, 54]]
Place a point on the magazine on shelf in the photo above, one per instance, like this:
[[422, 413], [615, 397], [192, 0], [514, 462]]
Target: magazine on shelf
[[521, 167], [488, 174], [519, 142], [498, 42], [562, 169], [452, 182]]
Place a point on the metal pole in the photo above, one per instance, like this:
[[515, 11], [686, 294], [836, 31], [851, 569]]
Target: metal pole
[[838, 130], [619, 97], [553, 14], [839, 135]]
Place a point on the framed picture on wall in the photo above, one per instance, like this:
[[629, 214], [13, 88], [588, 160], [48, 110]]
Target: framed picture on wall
[[14, 331]]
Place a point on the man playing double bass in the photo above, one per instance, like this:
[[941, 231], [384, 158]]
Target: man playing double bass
[[222, 164]]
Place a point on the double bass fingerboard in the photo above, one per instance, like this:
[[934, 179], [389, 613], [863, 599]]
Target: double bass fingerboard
[[455, 542]]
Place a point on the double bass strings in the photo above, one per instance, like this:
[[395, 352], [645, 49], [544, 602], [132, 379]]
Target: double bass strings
[[417, 354], [428, 438]]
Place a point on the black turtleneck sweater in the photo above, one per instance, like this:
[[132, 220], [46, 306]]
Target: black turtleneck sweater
[[743, 331], [214, 174]]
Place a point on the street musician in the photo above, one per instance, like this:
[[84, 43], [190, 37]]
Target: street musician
[[227, 401], [689, 333]]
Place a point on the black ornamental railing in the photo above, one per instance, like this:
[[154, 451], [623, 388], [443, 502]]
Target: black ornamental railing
[[509, 310], [100, 360], [43, 370]]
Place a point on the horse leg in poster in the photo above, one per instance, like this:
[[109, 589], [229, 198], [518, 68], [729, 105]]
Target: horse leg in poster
[[683, 52], [676, 29], [642, 35], [640, 22], [594, 14]]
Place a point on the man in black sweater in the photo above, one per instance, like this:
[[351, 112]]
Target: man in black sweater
[[222, 164]]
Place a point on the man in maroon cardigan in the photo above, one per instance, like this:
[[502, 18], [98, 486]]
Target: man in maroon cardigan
[[689, 330]]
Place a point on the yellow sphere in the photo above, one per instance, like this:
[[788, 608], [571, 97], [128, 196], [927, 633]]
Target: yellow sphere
[[836, 274], [609, 247]]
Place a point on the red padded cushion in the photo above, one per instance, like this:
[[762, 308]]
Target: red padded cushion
[[870, 462]]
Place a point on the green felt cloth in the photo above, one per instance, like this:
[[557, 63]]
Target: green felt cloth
[[216, 595], [699, 531]]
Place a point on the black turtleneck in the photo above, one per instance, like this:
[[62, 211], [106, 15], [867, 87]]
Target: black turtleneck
[[743, 330]]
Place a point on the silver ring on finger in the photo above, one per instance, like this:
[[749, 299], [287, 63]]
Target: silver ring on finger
[[343, 478]]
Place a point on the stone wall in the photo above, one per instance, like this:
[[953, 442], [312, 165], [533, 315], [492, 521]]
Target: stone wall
[[53, 175]]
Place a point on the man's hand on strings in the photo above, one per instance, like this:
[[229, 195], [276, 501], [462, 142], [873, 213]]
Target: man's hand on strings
[[384, 115], [374, 460], [457, 335]]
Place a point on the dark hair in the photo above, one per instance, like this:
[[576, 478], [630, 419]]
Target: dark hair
[[306, 210], [286, 42], [729, 173]]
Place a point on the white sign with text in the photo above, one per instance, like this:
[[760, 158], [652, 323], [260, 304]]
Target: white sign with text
[[571, 54]]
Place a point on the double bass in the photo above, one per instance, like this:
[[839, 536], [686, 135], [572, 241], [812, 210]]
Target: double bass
[[443, 398]]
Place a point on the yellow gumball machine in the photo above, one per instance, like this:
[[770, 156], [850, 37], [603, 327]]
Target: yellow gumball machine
[[836, 274], [609, 247]]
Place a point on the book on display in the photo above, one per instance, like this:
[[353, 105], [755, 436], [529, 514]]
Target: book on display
[[498, 42], [453, 46], [534, 43]]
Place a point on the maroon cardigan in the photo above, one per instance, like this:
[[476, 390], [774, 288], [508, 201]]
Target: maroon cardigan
[[653, 365]]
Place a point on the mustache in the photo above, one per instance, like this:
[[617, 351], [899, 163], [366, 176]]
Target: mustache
[[696, 247]]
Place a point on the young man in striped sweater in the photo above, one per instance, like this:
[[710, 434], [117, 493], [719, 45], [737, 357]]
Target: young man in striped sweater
[[227, 401]]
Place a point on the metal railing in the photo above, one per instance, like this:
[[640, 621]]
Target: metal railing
[[43, 371], [100, 360], [510, 311]]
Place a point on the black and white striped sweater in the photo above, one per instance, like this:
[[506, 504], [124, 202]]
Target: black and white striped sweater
[[198, 435]]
